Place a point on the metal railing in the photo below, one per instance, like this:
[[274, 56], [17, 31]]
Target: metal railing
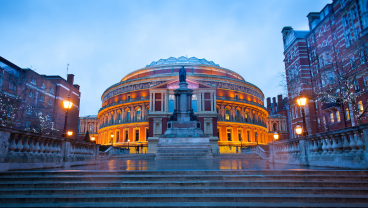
[[123, 122], [242, 120], [125, 101], [240, 100]]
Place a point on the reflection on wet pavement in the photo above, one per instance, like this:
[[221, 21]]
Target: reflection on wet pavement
[[215, 164]]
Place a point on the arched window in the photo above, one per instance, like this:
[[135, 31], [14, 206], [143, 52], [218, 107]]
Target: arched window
[[246, 115], [274, 126], [148, 109], [237, 115], [128, 115], [332, 118], [138, 114], [227, 114], [338, 116], [91, 127], [347, 114], [360, 106], [119, 117]]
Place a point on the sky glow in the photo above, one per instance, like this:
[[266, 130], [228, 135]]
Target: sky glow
[[104, 40]]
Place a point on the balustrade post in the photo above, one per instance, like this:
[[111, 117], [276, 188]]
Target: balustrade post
[[360, 143], [20, 145], [353, 145], [315, 146], [329, 145], [320, 144], [26, 146], [324, 145], [31, 146], [339, 143], [13, 145], [42, 147]]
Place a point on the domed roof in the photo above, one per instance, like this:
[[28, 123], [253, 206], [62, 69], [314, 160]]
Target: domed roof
[[182, 59]]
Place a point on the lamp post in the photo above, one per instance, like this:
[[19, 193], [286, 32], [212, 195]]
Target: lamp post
[[128, 144], [302, 101], [67, 104], [112, 139]]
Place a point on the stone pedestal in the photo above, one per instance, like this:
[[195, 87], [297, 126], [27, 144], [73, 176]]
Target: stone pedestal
[[184, 138], [184, 148]]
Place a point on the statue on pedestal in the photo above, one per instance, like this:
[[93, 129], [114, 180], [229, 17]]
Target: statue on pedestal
[[182, 74]]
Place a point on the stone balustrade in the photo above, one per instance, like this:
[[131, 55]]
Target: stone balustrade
[[345, 148], [27, 150]]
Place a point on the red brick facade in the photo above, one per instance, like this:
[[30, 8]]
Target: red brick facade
[[42, 93], [331, 42]]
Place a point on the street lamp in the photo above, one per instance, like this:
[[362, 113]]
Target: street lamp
[[69, 133], [112, 139], [93, 138], [67, 104], [302, 101], [257, 137], [275, 136], [298, 130], [128, 143]]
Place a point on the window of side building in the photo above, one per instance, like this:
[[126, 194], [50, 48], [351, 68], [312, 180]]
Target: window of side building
[[171, 103], [194, 103], [347, 112]]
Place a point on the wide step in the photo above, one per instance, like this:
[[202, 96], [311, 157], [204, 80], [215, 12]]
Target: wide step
[[209, 188]]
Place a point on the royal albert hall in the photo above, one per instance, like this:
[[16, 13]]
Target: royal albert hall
[[135, 110]]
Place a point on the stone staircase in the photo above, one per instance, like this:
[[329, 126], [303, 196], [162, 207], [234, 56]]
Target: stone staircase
[[183, 151], [217, 188]]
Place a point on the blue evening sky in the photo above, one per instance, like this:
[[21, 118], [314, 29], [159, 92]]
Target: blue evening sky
[[104, 40]]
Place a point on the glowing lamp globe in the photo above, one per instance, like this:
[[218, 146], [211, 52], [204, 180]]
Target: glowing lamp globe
[[93, 139], [301, 101], [70, 133], [67, 104], [298, 130], [276, 136], [112, 135]]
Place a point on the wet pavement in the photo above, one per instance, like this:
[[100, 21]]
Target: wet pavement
[[215, 164]]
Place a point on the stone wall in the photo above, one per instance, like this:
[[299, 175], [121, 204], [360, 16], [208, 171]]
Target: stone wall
[[21, 150]]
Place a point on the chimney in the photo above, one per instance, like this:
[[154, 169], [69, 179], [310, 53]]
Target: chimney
[[280, 102], [274, 104], [269, 105], [70, 78]]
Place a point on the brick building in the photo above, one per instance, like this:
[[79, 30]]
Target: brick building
[[41, 94], [279, 116], [315, 58]]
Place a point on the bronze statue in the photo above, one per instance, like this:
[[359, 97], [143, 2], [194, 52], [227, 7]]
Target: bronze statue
[[182, 74]]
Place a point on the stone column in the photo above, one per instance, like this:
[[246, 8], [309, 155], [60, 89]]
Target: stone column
[[202, 101], [162, 101], [153, 102]]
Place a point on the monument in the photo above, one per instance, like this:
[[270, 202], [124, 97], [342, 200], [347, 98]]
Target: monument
[[183, 138]]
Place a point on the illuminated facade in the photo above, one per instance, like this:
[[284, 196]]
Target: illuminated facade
[[135, 110]]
